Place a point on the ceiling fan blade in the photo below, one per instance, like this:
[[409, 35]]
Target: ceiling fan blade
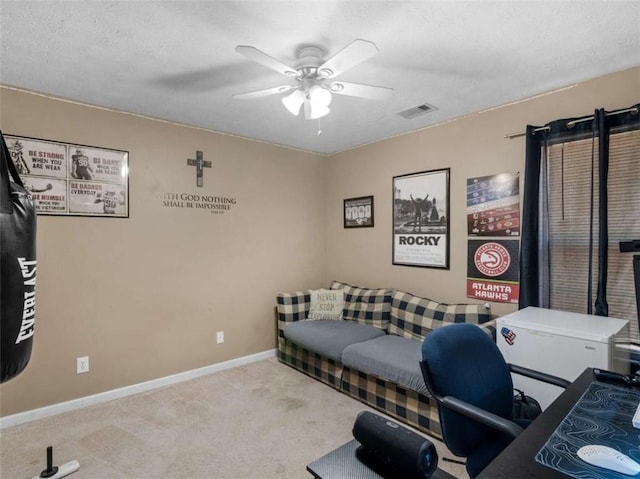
[[260, 93], [356, 52], [363, 91], [259, 56]]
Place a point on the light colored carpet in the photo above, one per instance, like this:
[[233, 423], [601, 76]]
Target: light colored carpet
[[264, 420]]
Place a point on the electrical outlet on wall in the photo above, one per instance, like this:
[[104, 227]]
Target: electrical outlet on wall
[[220, 337], [82, 365]]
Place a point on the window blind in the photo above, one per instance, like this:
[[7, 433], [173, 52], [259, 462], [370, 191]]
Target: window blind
[[570, 190]]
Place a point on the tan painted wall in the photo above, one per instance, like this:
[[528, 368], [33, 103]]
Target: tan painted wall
[[471, 146], [143, 297]]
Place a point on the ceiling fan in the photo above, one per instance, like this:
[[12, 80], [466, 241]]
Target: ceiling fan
[[315, 77]]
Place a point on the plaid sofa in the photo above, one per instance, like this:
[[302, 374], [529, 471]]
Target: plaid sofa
[[396, 312]]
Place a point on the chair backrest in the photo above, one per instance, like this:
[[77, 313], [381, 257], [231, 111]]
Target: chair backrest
[[463, 362]]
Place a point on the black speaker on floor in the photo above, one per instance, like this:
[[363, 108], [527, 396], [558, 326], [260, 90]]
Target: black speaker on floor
[[393, 449]]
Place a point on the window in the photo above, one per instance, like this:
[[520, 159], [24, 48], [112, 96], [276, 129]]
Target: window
[[570, 188]]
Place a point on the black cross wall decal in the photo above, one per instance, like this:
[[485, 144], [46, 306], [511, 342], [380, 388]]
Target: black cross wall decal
[[200, 164]]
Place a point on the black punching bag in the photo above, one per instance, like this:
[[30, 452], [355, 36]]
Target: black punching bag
[[17, 269]]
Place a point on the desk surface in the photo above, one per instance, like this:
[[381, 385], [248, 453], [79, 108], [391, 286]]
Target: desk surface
[[343, 463], [520, 455]]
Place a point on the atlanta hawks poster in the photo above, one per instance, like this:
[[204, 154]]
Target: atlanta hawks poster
[[493, 270]]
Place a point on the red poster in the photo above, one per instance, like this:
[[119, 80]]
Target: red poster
[[492, 270]]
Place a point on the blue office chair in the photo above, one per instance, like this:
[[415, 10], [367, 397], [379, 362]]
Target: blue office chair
[[466, 374]]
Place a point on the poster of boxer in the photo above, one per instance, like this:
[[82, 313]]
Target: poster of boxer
[[71, 179], [421, 219]]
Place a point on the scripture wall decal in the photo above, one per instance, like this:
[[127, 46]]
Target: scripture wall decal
[[214, 204]]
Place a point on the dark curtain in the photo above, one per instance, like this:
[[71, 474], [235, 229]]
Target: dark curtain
[[604, 130], [529, 228], [532, 231]]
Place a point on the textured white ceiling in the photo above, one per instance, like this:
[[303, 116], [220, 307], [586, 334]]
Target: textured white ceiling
[[176, 60]]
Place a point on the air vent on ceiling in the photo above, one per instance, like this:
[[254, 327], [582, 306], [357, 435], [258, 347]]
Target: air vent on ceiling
[[417, 111]]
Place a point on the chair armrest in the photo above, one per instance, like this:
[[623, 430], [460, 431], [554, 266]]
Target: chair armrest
[[485, 417], [469, 410], [544, 377]]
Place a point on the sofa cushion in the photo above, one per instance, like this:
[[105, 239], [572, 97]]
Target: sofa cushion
[[329, 337], [415, 317], [388, 357], [326, 304], [366, 306]]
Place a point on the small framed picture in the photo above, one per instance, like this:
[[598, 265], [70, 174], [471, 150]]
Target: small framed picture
[[358, 212]]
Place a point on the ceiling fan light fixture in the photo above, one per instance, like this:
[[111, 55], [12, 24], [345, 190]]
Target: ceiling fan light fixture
[[312, 73], [294, 101], [318, 112], [319, 96], [319, 101]]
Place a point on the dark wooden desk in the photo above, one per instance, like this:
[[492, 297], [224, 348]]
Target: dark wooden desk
[[518, 459]]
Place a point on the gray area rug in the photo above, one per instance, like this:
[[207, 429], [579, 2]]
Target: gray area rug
[[264, 420]]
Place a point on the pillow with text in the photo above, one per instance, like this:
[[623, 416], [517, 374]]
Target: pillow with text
[[326, 304]]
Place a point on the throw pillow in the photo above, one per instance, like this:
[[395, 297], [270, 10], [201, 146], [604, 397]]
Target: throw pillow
[[370, 307], [326, 304], [415, 317]]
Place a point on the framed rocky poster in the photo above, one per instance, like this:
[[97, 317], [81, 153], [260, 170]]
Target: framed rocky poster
[[72, 179], [421, 219]]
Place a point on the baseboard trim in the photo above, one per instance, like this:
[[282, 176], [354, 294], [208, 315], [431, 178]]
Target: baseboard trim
[[43, 412]]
